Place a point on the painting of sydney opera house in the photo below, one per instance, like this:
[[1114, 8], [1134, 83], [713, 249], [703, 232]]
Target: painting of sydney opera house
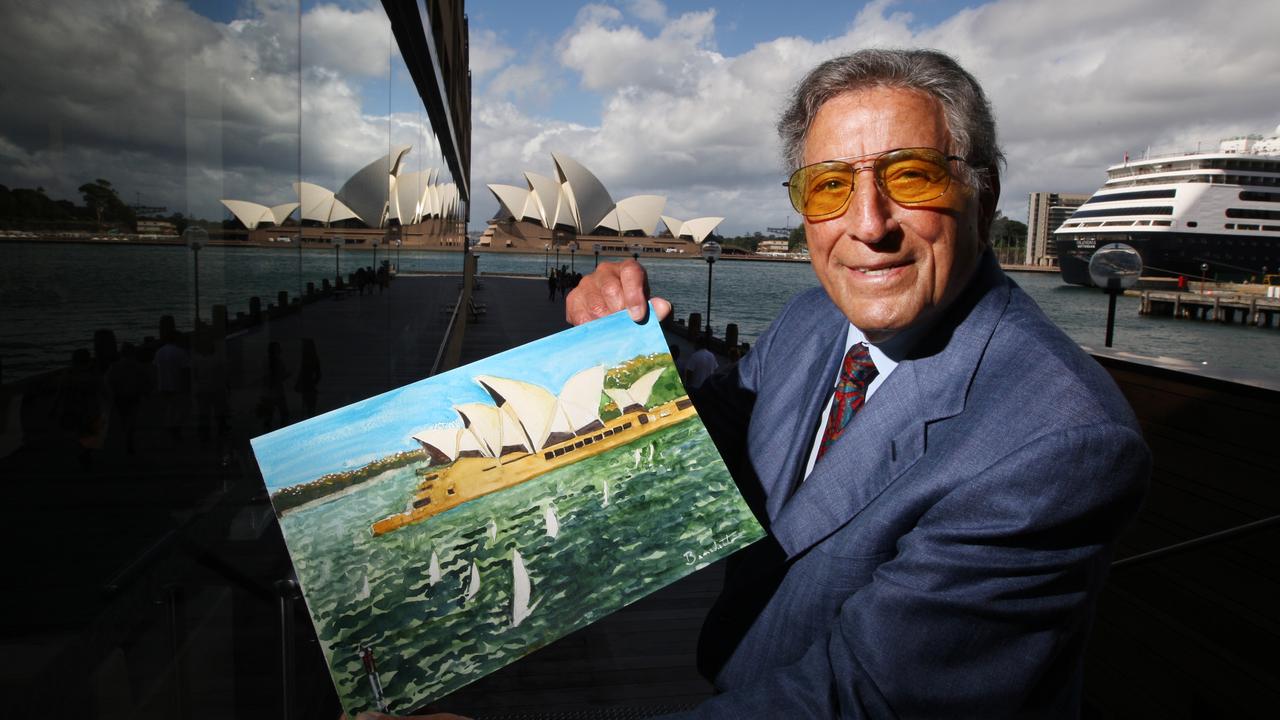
[[445, 529]]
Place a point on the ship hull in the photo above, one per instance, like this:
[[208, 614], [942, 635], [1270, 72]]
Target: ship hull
[[1173, 254]]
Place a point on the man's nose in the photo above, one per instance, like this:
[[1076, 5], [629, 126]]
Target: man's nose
[[868, 215]]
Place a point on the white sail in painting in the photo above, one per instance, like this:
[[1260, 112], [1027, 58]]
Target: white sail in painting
[[520, 607], [553, 522], [365, 591], [433, 572], [606, 494], [474, 587], [492, 530]]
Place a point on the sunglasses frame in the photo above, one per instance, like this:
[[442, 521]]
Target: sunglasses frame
[[879, 180]]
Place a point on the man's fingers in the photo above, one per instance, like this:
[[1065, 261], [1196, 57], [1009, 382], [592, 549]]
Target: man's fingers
[[635, 296], [612, 287], [661, 308]]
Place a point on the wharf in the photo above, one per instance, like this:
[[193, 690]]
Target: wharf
[[1225, 308]]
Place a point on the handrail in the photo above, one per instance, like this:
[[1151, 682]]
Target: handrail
[[448, 333], [1195, 543]]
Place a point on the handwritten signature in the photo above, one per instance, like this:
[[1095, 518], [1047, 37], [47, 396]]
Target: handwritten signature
[[717, 544]]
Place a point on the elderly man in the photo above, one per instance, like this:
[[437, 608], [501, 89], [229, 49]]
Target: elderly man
[[943, 473]]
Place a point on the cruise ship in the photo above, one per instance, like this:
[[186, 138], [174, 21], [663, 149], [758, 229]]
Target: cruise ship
[[1185, 211]]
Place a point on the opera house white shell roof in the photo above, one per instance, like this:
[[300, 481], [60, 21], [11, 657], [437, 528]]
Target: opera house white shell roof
[[379, 192], [575, 198], [528, 418]]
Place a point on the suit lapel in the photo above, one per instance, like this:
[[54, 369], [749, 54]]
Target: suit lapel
[[889, 435], [795, 423]]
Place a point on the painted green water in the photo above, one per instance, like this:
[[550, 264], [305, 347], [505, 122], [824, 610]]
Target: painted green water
[[672, 508]]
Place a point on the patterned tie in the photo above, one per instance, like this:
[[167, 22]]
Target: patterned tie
[[856, 373]]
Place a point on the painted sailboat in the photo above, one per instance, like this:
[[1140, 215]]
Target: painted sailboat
[[433, 571], [474, 587], [365, 591], [520, 588], [606, 494], [552, 522], [492, 530]]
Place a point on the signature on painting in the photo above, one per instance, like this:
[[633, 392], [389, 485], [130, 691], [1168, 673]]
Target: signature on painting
[[717, 544]]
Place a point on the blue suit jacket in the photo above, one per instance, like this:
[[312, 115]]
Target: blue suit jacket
[[944, 556]]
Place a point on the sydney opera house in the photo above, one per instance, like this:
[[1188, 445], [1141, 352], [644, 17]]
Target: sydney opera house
[[382, 202], [575, 206]]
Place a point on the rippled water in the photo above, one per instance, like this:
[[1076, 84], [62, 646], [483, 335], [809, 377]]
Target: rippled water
[[53, 297], [672, 509]]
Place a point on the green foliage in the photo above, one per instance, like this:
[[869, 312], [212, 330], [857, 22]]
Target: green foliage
[[797, 240], [101, 200], [666, 389], [298, 495]]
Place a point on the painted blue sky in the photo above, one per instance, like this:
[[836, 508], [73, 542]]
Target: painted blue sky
[[379, 426]]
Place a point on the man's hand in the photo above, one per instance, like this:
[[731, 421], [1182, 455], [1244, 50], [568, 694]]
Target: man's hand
[[612, 287]]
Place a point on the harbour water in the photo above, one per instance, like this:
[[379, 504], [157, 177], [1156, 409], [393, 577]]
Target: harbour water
[[630, 521], [53, 298]]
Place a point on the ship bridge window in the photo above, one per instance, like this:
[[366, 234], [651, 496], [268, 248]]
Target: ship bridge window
[[1135, 195], [1271, 228], [1253, 214], [1259, 196], [1113, 212], [1192, 223], [1162, 223]]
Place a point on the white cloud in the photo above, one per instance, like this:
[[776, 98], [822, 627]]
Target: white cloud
[[356, 43], [653, 11], [1073, 91], [488, 54]]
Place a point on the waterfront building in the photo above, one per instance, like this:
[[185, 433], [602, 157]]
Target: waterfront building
[[167, 591], [1046, 211], [773, 246]]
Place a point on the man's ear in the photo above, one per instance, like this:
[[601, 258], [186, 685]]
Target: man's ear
[[988, 199]]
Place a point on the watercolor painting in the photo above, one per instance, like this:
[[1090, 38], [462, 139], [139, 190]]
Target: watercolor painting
[[445, 529]]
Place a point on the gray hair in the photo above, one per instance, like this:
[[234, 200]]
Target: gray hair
[[964, 105]]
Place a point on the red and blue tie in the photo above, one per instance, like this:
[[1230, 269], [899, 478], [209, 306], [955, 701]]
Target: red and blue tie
[[856, 373]]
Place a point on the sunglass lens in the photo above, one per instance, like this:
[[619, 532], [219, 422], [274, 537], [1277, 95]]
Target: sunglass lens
[[822, 188], [913, 176]]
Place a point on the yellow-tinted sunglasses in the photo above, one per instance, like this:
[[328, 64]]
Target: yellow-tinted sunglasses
[[908, 176]]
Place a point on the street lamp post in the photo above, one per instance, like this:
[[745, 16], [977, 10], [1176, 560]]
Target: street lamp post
[[375, 255], [710, 253], [553, 242], [399, 242], [546, 259], [1204, 276], [573, 252], [596, 248], [337, 241], [196, 238], [635, 251]]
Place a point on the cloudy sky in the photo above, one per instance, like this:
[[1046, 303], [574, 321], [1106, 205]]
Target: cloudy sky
[[679, 98], [182, 103]]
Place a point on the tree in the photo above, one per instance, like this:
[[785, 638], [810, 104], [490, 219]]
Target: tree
[[105, 205], [797, 240], [1008, 239]]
